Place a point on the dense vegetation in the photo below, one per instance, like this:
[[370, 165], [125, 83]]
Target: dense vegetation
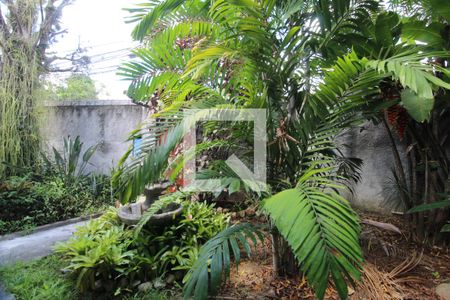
[[317, 67], [74, 87], [108, 258], [32, 200], [27, 29], [56, 190], [42, 280]]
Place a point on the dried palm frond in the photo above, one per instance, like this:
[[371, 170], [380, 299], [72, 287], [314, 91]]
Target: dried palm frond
[[376, 285], [407, 265]]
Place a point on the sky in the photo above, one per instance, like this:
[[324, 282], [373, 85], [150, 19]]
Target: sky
[[99, 26]]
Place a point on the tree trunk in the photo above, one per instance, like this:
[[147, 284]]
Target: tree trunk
[[283, 259], [398, 166], [19, 142]]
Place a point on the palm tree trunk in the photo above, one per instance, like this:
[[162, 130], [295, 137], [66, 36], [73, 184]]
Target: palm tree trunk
[[283, 259], [398, 165]]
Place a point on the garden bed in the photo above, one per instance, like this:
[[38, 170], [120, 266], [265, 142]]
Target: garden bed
[[396, 267], [35, 200]]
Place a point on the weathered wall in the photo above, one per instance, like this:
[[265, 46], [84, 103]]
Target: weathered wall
[[103, 122], [371, 144], [109, 122]]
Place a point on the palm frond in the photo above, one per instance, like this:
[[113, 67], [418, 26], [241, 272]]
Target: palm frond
[[446, 228], [430, 206], [134, 174], [154, 14], [162, 202], [214, 260], [340, 20], [416, 76], [321, 229]]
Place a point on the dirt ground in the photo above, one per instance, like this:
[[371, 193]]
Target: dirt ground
[[396, 267]]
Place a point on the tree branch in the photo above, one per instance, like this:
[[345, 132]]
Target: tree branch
[[71, 69], [14, 14], [4, 28], [51, 17]]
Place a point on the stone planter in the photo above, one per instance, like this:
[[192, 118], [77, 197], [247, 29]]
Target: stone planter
[[130, 214]]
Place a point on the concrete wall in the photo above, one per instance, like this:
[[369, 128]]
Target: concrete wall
[[371, 144], [109, 122], [103, 122]]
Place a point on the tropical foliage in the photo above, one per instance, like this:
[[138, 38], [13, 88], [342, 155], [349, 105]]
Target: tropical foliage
[[69, 163], [417, 118], [35, 199], [317, 68], [57, 190], [105, 256], [328, 247], [219, 251], [42, 280]]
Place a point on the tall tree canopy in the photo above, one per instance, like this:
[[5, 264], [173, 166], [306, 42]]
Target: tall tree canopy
[[74, 87]]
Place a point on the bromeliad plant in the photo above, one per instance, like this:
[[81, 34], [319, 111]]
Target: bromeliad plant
[[294, 59], [70, 164]]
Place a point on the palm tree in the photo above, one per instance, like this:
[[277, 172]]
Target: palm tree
[[294, 59], [410, 49]]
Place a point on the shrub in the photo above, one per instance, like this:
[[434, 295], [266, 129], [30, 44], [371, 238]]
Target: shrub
[[42, 280], [99, 253], [107, 256], [17, 204], [69, 164], [199, 223], [54, 191], [33, 200]]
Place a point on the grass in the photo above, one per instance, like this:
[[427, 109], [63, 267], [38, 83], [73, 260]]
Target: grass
[[39, 279], [43, 280]]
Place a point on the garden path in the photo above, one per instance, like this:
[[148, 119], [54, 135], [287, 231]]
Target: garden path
[[35, 245]]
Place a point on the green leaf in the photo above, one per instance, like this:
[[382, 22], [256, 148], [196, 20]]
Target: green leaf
[[430, 206], [234, 186], [445, 228], [214, 260], [441, 8], [159, 204], [383, 28], [322, 231], [419, 31], [419, 108]]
